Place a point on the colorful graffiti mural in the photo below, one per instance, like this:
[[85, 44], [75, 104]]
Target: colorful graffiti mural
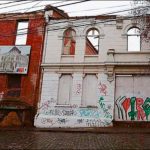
[[90, 117], [134, 108], [102, 110]]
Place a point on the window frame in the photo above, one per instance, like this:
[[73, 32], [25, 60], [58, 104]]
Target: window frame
[[14, 90], [71, 39], [70, 90], [98, 44], [18, 34], [132, 36], [85, 101]]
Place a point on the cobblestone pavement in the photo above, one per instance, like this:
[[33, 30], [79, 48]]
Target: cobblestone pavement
[[43, 140]]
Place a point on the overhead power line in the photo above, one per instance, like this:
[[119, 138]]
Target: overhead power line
[[65, 21], [95, 9], [16, 10], [33, 6], [11, 2], [41, 10], [66, 11], [26, 2], [32, 1], [32, 31], [73, 3]]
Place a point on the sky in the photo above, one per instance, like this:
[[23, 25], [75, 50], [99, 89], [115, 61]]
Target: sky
[[88, 8]]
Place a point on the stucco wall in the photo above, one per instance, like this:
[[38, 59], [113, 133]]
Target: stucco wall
[[74, 115], [104, 66]]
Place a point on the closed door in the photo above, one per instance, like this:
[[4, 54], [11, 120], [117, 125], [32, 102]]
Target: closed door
[[132, 98]]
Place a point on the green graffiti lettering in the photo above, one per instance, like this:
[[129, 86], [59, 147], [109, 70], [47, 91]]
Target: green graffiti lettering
[[146, 107], [103, 107], [132, 113]]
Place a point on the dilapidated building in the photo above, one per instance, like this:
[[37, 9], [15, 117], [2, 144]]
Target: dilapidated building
[[21, 45], [95, 71]]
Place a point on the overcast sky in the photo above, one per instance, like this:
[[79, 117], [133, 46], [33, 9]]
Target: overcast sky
[[80, 9]]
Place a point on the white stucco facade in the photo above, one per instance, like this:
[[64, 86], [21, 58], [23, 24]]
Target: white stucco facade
[[89, 104]]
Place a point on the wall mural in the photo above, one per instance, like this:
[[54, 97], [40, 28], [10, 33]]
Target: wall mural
[[133, 108]]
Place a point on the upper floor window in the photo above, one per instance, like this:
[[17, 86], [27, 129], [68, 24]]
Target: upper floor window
[[92, 42], [22, 30], [69, 42], [134, 42]]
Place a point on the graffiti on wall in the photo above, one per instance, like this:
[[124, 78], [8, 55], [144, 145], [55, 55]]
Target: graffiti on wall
[[86, 122], [101, 111], [47, 104], [105, 110], [78, 89], [102, 88], [135, 108], [76, 116]]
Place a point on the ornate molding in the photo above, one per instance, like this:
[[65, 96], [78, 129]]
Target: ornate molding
[[110, 55], [110, 73], [119, 23]]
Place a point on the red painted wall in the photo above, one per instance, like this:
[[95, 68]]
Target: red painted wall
[[29, 82], [12, 107]]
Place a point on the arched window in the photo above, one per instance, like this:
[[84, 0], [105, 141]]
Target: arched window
[[92, 42], [134, 42], [69, 42]]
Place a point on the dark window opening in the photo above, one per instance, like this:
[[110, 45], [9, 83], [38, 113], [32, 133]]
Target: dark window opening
[[14, 85]]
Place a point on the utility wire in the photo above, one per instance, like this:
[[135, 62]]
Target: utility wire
[[74, 25], [74, 19], [32, 1], [41, 10], [73, 3], [96, 9], [26, 2], [62, 22], [66, 11], [32, 6], [55, 29], [52, 3], [11, 2], [12, 15]]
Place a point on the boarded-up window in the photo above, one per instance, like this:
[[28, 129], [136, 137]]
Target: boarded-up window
[[69, 42], [22, 30], [132, 98], [89, 97], [65, 90], [14, 85], [92, 42], [134, 43]]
